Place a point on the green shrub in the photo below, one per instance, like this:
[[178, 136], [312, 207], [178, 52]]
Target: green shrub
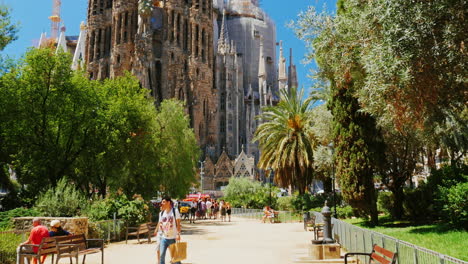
[[243, 192], [345, 212], [8, 244], [6, 217], [65, 200], [385, 202], [455, 205], [307, 201], [418, 204], [134, 211], [285, 203]]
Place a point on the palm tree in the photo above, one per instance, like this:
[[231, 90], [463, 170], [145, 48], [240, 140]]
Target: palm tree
[[286, 140]]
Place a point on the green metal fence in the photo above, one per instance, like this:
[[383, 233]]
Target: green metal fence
[[357, 239], [283, 216]]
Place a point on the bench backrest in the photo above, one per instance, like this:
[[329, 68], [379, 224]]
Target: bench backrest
[[47, 246], [79, 240], [382, 255], [144, 228]]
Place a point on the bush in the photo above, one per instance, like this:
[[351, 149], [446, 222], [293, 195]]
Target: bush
[[7, 216], [418, 204], [307, 201], [285, 203], [65, 200], [134, 211], [8, 245], [345, 212], [385, 202], [455, 205], [243, 192]]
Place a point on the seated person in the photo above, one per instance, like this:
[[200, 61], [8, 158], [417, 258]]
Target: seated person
[[57, 230], [268, 213]]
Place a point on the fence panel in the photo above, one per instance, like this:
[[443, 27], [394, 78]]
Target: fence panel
[[356, 239], [257, 214]]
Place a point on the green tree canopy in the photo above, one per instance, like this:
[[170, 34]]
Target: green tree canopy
[[8, 30], [99, 134]]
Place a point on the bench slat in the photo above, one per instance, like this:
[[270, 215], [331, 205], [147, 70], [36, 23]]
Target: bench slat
[[380, 259], [384, 251]]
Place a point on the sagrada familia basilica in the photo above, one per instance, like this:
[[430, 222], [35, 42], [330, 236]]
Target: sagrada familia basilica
[[218, 56]]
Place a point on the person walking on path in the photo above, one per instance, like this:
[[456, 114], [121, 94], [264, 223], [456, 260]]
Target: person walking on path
[[228, 211], [170, 227], [223, 211]]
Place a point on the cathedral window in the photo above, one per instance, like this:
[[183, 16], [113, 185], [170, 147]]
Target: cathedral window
[[101, 6], [98, 44], [171, 26], [109, 4], [222, 126], [223, 101], [203, 6], [185, 35], [125, 25], [119, 25], [197, 32], [91, 46], [178, 30]]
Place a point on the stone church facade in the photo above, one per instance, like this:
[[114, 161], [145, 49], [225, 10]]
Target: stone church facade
[[218, 56]]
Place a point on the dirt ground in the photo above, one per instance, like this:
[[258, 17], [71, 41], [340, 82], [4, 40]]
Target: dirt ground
[[240, 241]]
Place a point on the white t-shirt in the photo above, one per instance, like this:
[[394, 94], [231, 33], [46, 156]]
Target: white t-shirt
[[168, 224], [208, 204]]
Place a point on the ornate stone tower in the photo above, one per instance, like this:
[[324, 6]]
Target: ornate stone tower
[[167, 44], [229, 83]]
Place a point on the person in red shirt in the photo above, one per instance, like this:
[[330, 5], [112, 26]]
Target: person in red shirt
[[37, 234]]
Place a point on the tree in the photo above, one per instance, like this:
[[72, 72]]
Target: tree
[[8, 30], [286, 140], [323, 158], [178, 149], [99, 134], [47, 118], [357, 142]]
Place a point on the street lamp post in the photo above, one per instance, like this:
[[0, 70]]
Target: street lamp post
[[333, 178], [202, 173], [270, 181]]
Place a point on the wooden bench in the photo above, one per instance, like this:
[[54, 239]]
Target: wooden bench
[[47, 246], [378, 255], [146, 228], [276, 217], [76, 245]]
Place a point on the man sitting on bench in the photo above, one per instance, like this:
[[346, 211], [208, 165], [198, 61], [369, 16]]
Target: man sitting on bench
[[37, 233]]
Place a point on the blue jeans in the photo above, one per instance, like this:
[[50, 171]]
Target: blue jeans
[[165, 243]]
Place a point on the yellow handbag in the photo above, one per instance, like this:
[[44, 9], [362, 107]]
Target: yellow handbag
[[178, 251]]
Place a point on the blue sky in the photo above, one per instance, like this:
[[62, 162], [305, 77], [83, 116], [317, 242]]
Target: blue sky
[[33, 18]]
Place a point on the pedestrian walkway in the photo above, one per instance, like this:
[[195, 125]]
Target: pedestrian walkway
[[213, 242]]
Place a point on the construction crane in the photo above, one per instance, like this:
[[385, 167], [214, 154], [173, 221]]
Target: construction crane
[[55, 19]]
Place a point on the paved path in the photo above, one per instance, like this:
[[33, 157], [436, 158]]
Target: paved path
[[213, 242]]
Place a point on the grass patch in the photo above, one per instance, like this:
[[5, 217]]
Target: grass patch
[[437, 237]]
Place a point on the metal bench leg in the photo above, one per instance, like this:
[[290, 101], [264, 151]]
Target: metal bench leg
[[84, 258]]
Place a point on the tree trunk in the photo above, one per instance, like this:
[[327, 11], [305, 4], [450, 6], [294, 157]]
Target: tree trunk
[[398, 196]]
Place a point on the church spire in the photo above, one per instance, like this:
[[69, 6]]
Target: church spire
[[261, 62], [223, 41], [282, 76], [292, 73]]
